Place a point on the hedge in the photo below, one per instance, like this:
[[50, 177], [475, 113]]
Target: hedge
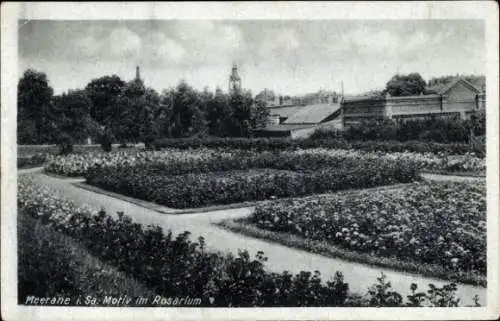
[[204, 189], [278, 144]]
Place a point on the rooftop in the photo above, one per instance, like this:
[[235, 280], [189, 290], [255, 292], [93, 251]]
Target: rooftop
[[313, 114]]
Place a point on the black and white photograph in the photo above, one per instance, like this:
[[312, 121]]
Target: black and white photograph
[[245, 157]]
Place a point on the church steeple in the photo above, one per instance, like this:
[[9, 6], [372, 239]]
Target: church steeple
[[137, 73], [234, 80]]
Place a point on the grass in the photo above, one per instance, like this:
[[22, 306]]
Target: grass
[[53, 264], [244, 227]]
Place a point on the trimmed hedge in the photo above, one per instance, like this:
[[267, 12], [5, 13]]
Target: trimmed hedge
[[278, 144], [203, 189]]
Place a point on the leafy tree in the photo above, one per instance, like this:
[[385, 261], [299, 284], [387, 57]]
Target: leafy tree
[[242, 106], [265, 95], [219, 114], [35, 108], [73, 110], [188, 118], [103, 93], [406, 85], [259, 115]]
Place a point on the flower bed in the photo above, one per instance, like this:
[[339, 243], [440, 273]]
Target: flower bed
[[203, 189], [33, 160], [280, 144], [176, 162], [432, 223], [176, 266]]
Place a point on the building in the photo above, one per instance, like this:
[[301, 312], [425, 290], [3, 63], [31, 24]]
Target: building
[[458, 99], [234, 80], [301, 121]]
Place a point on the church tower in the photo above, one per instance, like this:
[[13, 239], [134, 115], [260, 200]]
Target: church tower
[[137, 74], [234, 80]]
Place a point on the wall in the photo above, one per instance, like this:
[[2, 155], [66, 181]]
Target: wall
[[459, 101], [356, 110]]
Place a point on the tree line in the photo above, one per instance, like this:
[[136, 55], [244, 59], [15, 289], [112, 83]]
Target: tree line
[[110, 110]]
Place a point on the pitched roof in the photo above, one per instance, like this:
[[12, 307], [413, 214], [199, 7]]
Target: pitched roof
[[479, 83], [285, 111], [441, 89], [313, 114]]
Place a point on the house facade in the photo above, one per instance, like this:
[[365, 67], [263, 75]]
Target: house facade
[[459, 99]]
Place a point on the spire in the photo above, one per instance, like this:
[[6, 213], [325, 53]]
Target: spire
[[234, 80], [137, 73], [234, 73]]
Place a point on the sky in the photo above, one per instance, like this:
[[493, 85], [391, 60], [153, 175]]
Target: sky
[[291, 57]]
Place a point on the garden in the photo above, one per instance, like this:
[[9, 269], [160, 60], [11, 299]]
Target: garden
[[432, 228], [125, 256]]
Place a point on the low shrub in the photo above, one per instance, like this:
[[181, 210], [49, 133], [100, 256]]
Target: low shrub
[[32, 161], [203, 189], [431, 223], [324, 141]]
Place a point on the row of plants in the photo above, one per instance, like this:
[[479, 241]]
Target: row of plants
[[175, 162], [452, 130], [440, 224], [51, 264], [177, 266], [214, 188], [336, 142], [32, 160]]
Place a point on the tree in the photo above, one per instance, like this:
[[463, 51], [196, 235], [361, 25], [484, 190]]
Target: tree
[[406, 85], [259, 115], [265, 96], [125, 123], [103, 93], [188, 116], [73, 110], [241, 105], [219, 114], [35, 108]]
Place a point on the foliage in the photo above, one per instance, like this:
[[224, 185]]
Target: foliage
[[406, 85], [425, 130], [312, 175], [103, 93], [37, 159], [35, 109], [431, 223], [175, 162], [323, 140], [44, 266]]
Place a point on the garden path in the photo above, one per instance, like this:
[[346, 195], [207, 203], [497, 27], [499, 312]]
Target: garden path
[[280, 258]]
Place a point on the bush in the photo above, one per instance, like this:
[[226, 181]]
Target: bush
[[32, 161], [428, 130], [105, 139], [203, 189], [65, 143], [44, 266], [323, 140], [443, 224]]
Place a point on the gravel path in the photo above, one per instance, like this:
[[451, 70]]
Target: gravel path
[[451, 178], [280, 258]]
